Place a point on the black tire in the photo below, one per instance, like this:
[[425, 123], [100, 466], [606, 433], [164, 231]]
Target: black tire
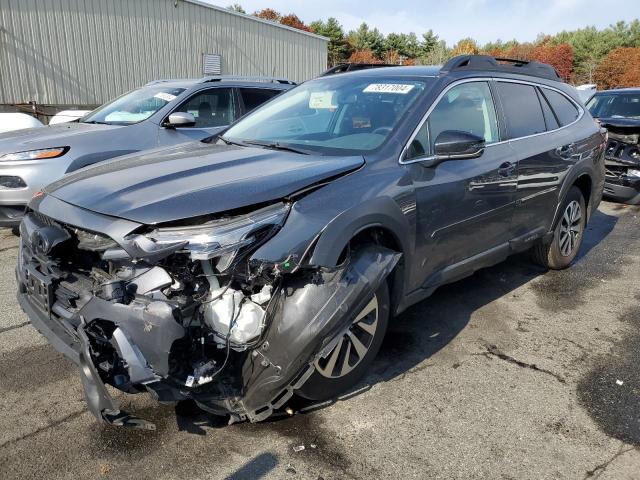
[[320, 387], [558, 254]]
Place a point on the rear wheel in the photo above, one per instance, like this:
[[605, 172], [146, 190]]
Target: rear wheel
[[567, 236], [350, 359]]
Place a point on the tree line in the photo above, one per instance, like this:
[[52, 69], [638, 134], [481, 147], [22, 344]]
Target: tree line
[[608, 57]]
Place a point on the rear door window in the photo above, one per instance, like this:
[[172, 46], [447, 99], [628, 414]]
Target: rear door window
[[254, 97], [522, 109], [565, 110]]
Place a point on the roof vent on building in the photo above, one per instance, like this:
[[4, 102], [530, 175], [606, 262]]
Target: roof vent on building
[[212, 64]]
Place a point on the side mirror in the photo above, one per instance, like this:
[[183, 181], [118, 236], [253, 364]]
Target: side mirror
[[180, 119], [456, 145]]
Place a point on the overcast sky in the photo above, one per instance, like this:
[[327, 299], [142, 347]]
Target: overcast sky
[[484, 20]]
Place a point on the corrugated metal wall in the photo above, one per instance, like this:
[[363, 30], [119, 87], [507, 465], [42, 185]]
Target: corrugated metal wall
[[76, 52]]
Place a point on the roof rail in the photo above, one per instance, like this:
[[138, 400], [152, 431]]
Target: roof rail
[[350, 67], [507, 65], [166, 80], [234, 78]]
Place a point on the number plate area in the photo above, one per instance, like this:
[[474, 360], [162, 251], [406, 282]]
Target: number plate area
[[39, 290]]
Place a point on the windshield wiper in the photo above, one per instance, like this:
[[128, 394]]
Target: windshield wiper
[[276, 146], [96, 122], [227, 141]]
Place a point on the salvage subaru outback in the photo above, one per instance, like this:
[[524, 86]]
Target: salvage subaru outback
[[269, 260]]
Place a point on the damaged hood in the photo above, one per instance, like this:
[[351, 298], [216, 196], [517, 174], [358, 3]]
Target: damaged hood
[[632, 123], [194, 179]]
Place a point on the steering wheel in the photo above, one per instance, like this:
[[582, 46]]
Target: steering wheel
[[382, 130]]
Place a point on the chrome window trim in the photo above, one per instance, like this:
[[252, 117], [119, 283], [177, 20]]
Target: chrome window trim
[[401, 160]]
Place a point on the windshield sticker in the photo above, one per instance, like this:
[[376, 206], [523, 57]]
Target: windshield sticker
[[167, 97], [401, 88], [361, 122], [321, 100]]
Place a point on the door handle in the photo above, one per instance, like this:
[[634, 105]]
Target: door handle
[[506, 169]]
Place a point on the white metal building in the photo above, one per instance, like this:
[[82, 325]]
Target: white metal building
[[85, 52]]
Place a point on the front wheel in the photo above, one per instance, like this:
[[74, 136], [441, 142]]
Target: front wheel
[[567, 236], [350, 359]]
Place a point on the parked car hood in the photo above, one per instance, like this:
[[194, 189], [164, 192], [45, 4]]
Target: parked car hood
[[194, 179], [62, 135], [620, 122]]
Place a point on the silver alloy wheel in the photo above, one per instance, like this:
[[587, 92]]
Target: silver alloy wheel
[[354, 344], [570, 229]]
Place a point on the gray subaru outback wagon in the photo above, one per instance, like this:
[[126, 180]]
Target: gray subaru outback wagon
[[269, 261]]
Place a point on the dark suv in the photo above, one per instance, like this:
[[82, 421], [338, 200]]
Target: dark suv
[[619, 112], [270, 260]]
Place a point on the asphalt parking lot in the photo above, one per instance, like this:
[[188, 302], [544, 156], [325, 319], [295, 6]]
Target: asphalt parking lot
[[512, 373]]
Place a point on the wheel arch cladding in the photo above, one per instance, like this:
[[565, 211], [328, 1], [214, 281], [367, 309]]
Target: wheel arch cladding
[[585, 184], [381, 213], [385, 237]]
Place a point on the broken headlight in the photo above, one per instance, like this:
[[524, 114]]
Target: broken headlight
[[222, 238]]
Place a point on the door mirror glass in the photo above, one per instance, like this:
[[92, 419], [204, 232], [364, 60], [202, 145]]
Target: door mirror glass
[[180, 119], [454, 144]]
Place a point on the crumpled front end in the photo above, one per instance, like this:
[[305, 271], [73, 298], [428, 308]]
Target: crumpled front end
[[182, 313], [622, 161]]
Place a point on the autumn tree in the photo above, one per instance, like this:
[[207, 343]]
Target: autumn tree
[[268, 14], [631, 78], [292, 20], [559, 57], [519, 51], [619, 69], [466, 46], [364, 56]]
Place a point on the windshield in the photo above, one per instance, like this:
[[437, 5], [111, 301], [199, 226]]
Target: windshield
[[133, 107], [331, 115], [615, 105]]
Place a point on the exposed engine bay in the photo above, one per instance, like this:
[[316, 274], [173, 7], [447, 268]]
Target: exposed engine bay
[[622, 161], [183, 312]]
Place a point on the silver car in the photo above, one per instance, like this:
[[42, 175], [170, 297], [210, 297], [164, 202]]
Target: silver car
[[162, 113]]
